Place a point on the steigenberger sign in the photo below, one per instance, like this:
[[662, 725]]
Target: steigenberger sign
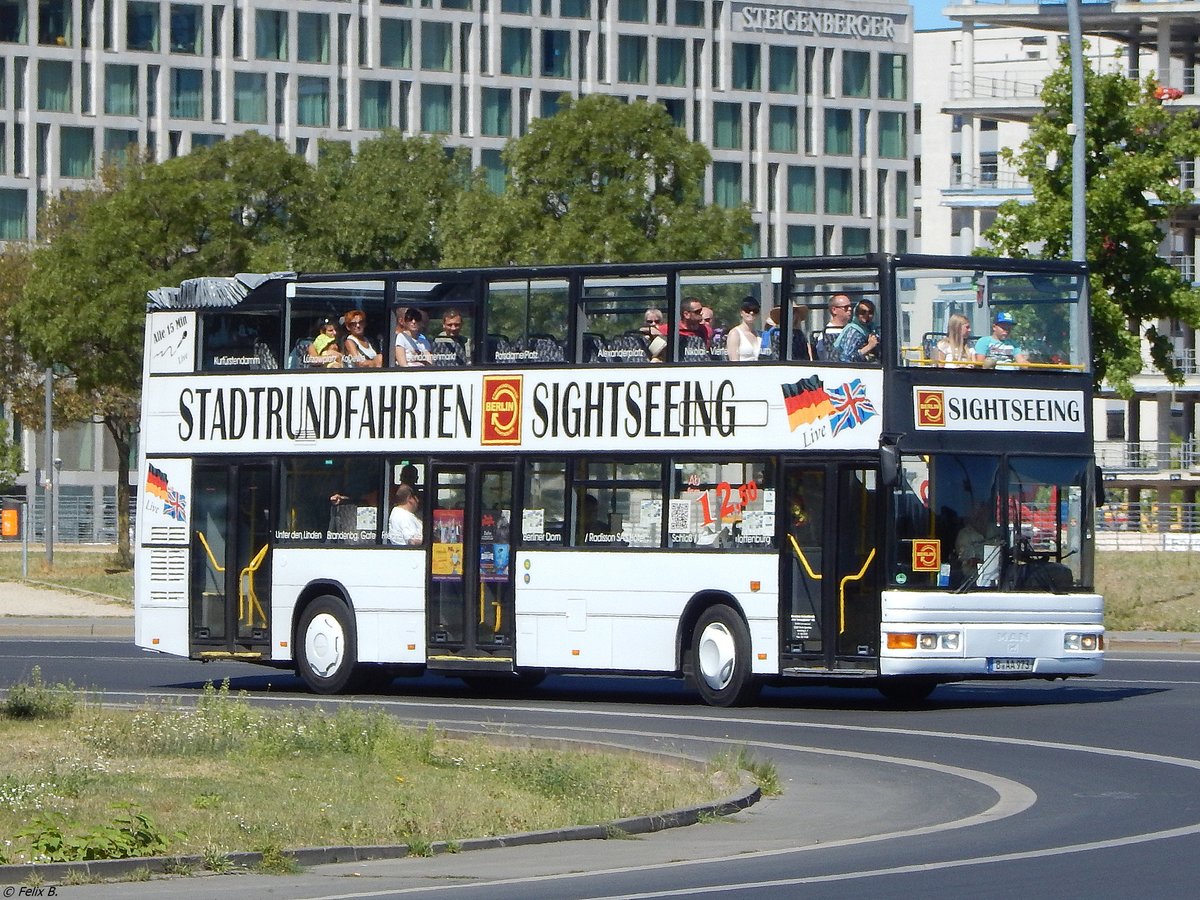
[[815, 22]]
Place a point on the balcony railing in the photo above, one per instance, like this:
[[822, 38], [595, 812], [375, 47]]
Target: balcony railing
[[1127, 457], [989, 87]]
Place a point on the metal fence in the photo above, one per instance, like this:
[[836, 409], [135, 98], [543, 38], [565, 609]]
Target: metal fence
[[1148, 526], [81, 520]]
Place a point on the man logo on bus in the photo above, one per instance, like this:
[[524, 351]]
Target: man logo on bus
[[931, 409], [501, 409]]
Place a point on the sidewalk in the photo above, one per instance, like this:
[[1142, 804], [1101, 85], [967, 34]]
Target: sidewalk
[[29, 610]]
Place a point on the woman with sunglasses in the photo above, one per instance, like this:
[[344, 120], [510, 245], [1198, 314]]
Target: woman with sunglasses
[[743, 343], [360, 353], [858, 339]]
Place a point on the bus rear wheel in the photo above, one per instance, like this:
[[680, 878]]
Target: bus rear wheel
[[720, 657], [327, 647]]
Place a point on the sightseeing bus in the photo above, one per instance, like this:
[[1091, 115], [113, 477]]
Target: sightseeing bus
[[575, 471]]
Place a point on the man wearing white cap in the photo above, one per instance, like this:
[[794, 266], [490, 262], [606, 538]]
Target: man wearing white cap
[[999, 348]]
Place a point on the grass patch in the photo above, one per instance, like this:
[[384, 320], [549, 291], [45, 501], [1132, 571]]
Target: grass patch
[[1149, 591], [74, 570], [225, 776]]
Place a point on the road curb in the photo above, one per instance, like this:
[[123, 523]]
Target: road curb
[[116, 869], [30, 627]]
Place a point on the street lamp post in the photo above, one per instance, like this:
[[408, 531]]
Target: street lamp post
[[47, 470], [1079, 145]]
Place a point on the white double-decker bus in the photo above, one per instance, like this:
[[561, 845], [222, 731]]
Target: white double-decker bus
[[576, 473]]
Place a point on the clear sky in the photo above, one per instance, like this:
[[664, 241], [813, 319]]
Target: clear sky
[[928, 14]]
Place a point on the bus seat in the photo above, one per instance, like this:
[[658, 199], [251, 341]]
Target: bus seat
[[298, 358], [492, 344], [717, 348], [546, 347], [590, 344], [928, 342]]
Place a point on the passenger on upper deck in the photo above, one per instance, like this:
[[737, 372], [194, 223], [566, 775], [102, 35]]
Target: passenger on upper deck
[[743, 343], [839, 315], [412, 347], [324, 351], [691, 325], [859, 338], [359, 352], [999, 348], [955, 350], [450, 343]]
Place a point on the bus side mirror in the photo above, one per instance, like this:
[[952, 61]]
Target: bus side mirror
[[1101, 499], [889, 465]]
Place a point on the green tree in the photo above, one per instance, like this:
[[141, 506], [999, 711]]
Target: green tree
[[600, 181], [377, 209], [219, 211], [1134, 144]]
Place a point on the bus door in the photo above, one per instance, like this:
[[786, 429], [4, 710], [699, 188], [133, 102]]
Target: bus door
[[230, 591], [471, 598], [830, 579]]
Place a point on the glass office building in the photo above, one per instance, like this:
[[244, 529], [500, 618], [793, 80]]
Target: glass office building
[[807, 109]]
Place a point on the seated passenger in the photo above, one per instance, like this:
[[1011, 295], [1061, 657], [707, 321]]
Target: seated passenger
[[839, 315], [412, 347], [743, 343], [324, 351], [999, 348], [450, 347], [954, 351], [358, 351], [404, 525], [858, 340]]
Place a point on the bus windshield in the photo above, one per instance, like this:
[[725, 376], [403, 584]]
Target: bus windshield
[[976, 522]]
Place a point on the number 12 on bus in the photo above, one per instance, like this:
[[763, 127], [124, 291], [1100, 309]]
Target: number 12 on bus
[[871, 472]]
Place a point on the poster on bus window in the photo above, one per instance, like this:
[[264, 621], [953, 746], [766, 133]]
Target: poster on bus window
[[447, 550], [495, 530]]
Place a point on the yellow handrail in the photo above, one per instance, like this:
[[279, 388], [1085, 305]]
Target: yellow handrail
[[248, 603], [211, 556], [803, 560], [842, 591]]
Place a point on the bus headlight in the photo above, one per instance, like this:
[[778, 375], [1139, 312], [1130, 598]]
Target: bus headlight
[[950, 640], [1074, 640]]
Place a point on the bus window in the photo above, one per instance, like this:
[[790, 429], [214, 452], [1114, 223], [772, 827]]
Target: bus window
[[623, 320], [527, 322], [544, 515], [721, 505], [329, 500], [313, 307], [231, 341], [404, 482], [618, 504], [721, 295], [451, 331]]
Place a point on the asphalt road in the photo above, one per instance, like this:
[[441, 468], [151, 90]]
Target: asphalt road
[[1083, 789]]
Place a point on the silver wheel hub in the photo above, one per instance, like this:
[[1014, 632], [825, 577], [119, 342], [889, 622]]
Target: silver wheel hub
[[717, 655], [324, 645]]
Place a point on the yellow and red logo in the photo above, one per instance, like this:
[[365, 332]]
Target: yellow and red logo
[[501, 410], [926, 556], [931, 409]]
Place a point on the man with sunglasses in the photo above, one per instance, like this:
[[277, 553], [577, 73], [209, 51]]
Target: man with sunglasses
[[696, 336], [839, 317]]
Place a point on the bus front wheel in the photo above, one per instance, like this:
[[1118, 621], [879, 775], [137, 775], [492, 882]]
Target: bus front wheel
[[721, 658], [327, 646]]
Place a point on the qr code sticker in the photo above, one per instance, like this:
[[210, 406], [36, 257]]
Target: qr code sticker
[[680, 521]]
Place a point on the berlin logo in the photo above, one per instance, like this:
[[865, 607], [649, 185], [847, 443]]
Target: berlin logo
[[931, 409]]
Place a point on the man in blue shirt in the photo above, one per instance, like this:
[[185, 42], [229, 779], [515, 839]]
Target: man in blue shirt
[[999, 348]]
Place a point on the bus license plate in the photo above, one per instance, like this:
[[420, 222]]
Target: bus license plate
[[1010, 664]]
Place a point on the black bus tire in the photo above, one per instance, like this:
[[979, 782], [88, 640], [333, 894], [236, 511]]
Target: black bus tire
[[326, 648], [720, 650]]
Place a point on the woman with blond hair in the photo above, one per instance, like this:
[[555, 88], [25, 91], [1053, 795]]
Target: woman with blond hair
[[954, 350]]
